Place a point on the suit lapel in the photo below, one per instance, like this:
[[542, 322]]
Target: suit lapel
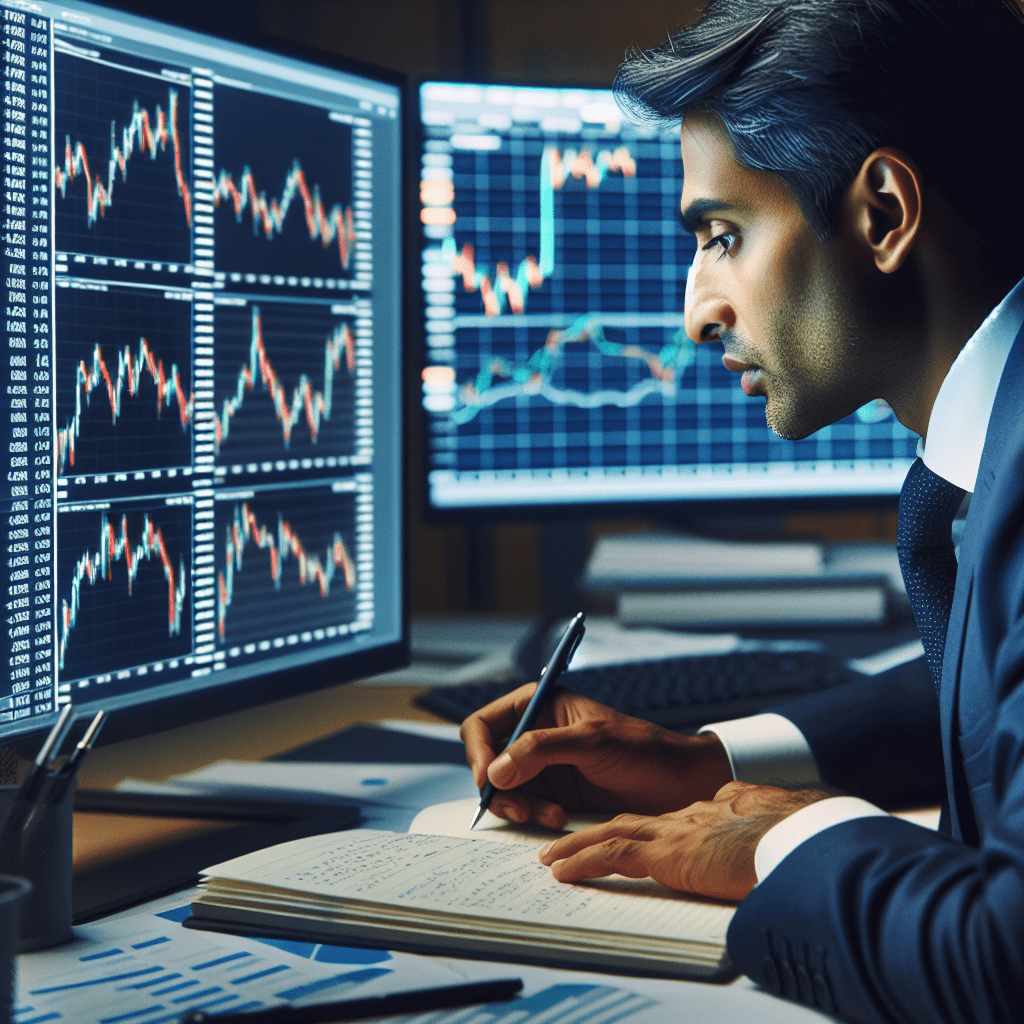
[[1006, 413]]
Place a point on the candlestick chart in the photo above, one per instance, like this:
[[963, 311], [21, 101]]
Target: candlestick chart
[[128, 567], [121, 172], [124, 390], [286, 380], [499, 289], [285, 563], [283, 206]]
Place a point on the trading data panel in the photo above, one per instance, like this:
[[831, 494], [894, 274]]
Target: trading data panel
[[202, 307]]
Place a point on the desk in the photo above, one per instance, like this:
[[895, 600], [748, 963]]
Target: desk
[[266, 731], [250, 734], [303, 719]]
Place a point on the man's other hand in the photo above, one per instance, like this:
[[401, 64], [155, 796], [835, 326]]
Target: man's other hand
[[708, 848], [582, 756]]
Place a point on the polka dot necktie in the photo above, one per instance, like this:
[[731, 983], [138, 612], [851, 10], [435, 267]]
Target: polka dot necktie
[[924, 544]]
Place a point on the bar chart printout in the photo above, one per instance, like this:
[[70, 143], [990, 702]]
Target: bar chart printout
[[149, 968]]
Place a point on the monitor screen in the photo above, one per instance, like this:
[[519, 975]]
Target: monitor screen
[[557, 370], [203, 503]]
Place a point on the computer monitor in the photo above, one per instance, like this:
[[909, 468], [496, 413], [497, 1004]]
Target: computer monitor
[[557, 373], [201, 269]]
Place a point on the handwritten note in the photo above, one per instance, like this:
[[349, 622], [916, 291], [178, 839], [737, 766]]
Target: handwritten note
[[475, 878]]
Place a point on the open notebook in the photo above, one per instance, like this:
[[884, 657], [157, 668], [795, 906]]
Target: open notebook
[[446, 892]]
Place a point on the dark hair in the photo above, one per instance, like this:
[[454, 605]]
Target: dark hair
[[808, 88]]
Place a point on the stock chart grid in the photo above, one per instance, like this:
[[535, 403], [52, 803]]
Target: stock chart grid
[[122, 172], [557, 365], [131, 406], [190, 301]]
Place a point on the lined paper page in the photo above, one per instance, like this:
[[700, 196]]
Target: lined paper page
[[437, 874], [453, 818]]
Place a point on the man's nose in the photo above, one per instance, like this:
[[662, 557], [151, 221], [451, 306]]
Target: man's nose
[[706, 311]]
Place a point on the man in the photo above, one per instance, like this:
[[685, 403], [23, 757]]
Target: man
[[852, 172]]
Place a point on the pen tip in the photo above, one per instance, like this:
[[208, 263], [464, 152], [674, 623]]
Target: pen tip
[[476, 817]]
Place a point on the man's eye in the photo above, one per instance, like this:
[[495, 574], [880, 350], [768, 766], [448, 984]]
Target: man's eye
[[724, 241]]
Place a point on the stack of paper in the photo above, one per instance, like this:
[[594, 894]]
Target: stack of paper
[[679, 581]]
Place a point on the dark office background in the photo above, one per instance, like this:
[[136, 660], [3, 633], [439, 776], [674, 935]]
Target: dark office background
[[494, 567]]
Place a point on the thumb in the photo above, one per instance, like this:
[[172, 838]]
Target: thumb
[[503, 773], [536, 750]]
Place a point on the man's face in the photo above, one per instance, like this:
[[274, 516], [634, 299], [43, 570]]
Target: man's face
[[783, 303]]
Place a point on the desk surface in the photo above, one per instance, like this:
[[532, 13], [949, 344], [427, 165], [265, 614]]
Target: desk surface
[[245, 735], [272, 729]]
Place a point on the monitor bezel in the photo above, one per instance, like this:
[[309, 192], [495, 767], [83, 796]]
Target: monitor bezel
[[215, 700], [674, 511]]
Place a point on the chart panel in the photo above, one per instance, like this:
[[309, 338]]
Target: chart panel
[[283, 205], [126, 565], [287, 564], [122, 187], [124, 380], [286, 382]]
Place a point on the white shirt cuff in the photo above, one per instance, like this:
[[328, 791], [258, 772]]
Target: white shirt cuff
[[801, 825], [766, 749]]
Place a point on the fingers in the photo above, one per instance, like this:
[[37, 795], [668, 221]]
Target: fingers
[[484, 730], [522, 809], [708, 847], [574, 744], [619, 846], [569, 742]]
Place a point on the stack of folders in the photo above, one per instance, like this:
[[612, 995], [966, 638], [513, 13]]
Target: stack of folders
[[678, 581]]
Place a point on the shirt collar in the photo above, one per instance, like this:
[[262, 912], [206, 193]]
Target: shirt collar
[[963, 406]]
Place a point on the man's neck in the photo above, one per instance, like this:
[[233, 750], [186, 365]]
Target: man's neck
[[951, 299]]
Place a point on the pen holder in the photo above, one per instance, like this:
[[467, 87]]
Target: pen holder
[[43, 858], [12, 893]]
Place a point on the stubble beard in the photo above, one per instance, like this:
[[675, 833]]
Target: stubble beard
[[816, 350]]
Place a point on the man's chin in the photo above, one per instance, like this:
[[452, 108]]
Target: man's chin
[[789, 427]]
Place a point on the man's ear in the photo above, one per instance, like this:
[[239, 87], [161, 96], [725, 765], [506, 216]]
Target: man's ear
[[883, 206]]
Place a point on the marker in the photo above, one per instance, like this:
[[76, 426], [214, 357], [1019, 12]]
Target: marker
[[558, 663]]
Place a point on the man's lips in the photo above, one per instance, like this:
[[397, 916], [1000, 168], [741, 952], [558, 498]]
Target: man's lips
[[751, 379]]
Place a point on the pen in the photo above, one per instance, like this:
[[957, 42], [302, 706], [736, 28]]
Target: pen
[[557, 664], [373, 1006], [33, 784], [69, 769]]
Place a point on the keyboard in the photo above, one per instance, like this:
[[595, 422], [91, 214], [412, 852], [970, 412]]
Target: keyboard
[[677, 693]]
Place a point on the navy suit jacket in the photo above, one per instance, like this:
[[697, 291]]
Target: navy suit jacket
[[877, 920]]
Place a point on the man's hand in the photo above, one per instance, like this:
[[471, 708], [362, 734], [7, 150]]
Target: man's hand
[[708, 848], [583, 756]]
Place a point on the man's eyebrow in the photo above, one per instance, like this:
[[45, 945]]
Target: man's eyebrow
[[695, 214]]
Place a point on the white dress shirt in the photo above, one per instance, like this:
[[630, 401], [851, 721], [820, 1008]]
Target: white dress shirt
[[769, 748]]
